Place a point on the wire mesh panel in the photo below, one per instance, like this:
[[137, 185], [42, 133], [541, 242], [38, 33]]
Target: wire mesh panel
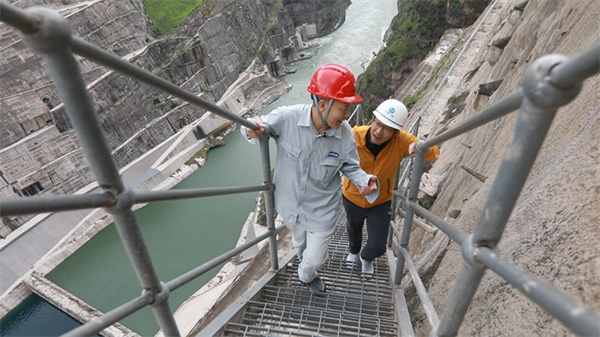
[[352, 305]]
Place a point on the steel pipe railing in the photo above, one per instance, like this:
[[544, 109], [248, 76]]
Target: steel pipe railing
[[442, 225], [153, 196], [399, 180], [55, 203], [269, 197], [98, 324], [40, 204], [432, 316], [115, 315], [51, 39], [412, 196], [552, 81], [198, 271], [420, 223], [540, 100], [533, 122], [574, 315], [576, 69]]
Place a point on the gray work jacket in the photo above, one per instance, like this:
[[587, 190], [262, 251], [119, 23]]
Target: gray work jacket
[[307, 179]]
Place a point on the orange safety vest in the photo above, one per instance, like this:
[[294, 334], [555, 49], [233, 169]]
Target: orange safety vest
[[384, 166]]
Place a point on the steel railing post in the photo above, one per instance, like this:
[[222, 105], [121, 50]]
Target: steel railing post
[[265, 159], [51, 38], [399, 179], [540, 103], [412, 196]]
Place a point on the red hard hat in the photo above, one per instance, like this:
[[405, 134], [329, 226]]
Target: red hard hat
[[336, 82]]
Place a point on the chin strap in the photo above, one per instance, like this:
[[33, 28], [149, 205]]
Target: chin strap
[[329, 104]]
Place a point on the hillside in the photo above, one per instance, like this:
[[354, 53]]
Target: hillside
[[554, 229]]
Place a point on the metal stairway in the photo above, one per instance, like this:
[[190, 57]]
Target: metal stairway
[[351, 305]]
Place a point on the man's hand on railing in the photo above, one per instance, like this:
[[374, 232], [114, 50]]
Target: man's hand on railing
[[256, 133]]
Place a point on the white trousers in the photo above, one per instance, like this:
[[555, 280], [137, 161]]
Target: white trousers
[[311, 248]]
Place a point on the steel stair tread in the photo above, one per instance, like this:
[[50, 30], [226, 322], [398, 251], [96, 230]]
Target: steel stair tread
[[236, 329], [352, 305], [332, 302]]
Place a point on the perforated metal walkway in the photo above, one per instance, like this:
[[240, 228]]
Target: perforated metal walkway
[[351, 305]]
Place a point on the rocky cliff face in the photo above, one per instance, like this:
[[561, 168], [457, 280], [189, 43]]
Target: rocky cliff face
[[39, 152], [553, 230]]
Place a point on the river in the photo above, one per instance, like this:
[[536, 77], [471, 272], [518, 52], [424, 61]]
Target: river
[[184, 234]]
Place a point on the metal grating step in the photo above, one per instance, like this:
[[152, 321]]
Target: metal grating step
[[337, 302], [316, 320], [234, 329], [341, 279], [351, 306]]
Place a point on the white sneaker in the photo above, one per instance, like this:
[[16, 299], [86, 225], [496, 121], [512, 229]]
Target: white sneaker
[[367, 267], [351, 260]]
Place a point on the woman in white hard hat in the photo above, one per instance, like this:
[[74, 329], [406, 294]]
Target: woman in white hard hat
[[381, 147]]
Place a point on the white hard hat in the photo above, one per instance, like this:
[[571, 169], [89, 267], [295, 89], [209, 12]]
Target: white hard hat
[[392, 113]]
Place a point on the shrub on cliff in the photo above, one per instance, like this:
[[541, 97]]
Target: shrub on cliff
[[167, 15]]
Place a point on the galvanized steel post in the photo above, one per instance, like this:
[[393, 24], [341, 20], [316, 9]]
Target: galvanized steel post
[[268, 195], [401, 175], [412, 196]]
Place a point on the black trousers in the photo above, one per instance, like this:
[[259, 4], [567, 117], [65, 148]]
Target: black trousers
[[378, 223]]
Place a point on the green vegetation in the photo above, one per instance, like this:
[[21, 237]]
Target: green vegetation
[[200, 154], [162, 104], [426, 203], [166, 15], [410, 101], [272, 8], [414, 33], [262, 214], [373, 80], [404, 49], [161, 62]]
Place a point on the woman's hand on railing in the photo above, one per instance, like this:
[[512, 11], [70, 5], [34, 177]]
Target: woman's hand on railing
[[411, 150], [256, 133]]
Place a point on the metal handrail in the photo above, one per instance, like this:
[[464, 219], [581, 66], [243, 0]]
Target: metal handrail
[[49, 34], [550, 82]]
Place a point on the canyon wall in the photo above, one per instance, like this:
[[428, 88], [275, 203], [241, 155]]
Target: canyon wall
[[39, 152], [553, 230]]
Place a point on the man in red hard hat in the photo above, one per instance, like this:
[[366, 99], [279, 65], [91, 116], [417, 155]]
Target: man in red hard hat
[[314, 144]]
